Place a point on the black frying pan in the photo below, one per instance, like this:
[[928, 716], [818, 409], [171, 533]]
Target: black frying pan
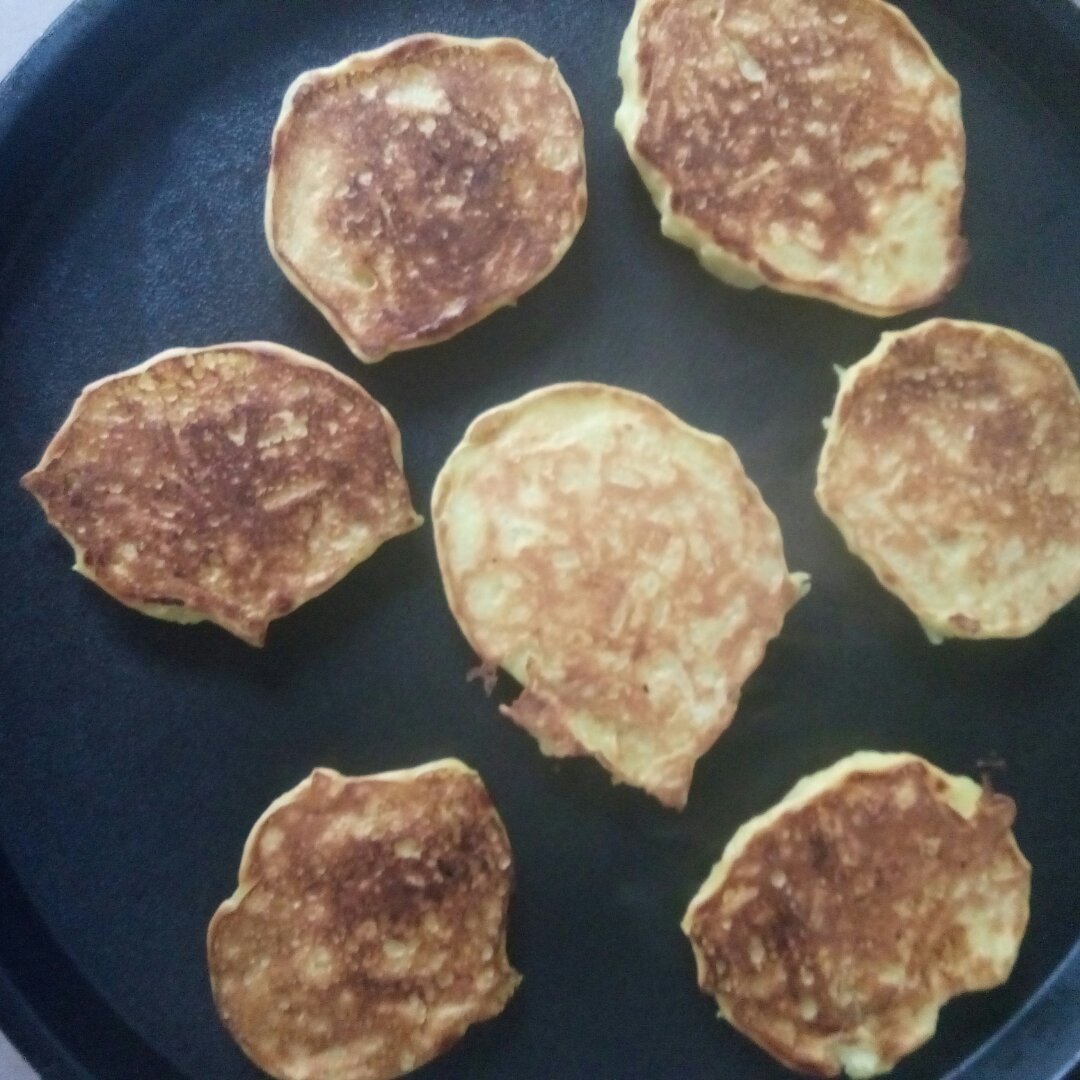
[[135, 755]]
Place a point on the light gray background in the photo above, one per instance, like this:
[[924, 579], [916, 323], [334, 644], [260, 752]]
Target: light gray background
[[21, 22]]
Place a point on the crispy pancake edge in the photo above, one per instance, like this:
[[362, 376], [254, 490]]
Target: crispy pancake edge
[[370, 60]]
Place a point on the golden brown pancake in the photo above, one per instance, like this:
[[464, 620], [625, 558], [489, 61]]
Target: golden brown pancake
[[952, 467], [838, 923], [416, 188], [621, 566], [231, 483], [816, 147], [368, 930]]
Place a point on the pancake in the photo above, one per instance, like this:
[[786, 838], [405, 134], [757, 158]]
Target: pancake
[[838, 923], [620, 565], [952, 467], [368, 931], [814, 147], [231, 483], [416, 188]]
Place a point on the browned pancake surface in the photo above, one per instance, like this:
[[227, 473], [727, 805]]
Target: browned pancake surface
[[368, 931], [847, 920], [789, 134], [417, 187], [230, 483], [621, 566], [952, 466]]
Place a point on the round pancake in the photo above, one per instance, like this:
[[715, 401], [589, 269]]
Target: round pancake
[[416, 188], [621, 566], [952, 467], [815, 147], [837, 923], [368, 930], [230, 483]]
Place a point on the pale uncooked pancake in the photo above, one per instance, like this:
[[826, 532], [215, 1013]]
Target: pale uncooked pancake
[[952, 467], [416, 188], [838, 923], [230, 483], [621, 566], [368, 930], [815, 147]]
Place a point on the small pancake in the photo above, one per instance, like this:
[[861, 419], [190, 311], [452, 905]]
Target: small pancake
[[952, 467], [368, 931], [815, 147], [416, 188], [621, 566], [838, 923], [231, 483]]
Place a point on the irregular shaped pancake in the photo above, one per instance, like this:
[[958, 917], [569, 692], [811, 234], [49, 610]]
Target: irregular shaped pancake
[[231, 483], [621, 566], [952, 467], [416, 188], [815, 147], [368, 930], [837, 923]]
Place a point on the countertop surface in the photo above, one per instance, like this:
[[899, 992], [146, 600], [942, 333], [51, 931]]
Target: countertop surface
[[21, 23]]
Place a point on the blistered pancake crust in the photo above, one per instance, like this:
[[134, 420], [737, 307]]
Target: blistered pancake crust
[[952, 466], [368, 929], [231, 483], [418, 187], [836, 925], [816, 147], [621, 566]]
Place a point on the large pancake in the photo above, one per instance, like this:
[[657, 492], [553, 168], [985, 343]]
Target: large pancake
[[837, 923], [952, 467], [230, 483], [368, 929], [621, 566], [816, 147], [416, 188]]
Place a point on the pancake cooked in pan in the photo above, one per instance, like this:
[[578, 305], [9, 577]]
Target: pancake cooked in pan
[[816, 147], [952, 467], [838, 923], [231, 483], [368, 930], [416, 188], [621, 566]]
